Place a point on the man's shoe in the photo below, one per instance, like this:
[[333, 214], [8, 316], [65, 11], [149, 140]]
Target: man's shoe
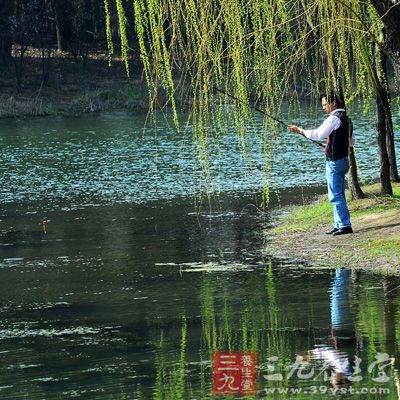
[[333, 230], [343, 231]]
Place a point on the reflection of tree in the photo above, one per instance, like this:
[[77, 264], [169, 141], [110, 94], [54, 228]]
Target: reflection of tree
[[391, 289], [277, 341], [370, 318], [170, 374], [247, 322], [232, 319], [374, 313]]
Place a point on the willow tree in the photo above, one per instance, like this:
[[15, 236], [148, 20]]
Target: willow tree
[[257, 51], [389, 12]]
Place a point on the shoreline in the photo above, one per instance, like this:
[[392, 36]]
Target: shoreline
[[129, 96], [374, 246], [72, 86]]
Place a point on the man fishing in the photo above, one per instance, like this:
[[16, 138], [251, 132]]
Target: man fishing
[[337, 129]]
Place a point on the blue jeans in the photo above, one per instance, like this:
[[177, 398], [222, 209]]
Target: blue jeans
[[335, 177]]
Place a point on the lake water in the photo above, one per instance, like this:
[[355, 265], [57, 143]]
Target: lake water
[[110, 158], [139, 280]]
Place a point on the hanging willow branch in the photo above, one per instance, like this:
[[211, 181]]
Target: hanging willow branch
[[110, 43], [254, 50], [122, 33]]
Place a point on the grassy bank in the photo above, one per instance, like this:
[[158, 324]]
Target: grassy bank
[[374, 245]]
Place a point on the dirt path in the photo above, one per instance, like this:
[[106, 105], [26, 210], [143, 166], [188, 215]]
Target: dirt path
[[362, 249]]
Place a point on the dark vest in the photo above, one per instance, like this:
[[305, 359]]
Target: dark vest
[[337, 144]]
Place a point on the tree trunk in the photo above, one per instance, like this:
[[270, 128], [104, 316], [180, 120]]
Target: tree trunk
[[46, 61], [391, 149], [7, 9], [355, 189], [62, 19], [390, 145], [19, 66], [5, 50], [386, 186], [390, 13]]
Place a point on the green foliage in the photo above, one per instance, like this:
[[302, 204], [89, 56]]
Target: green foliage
[[110, 43], [122, 31], [262, 51]]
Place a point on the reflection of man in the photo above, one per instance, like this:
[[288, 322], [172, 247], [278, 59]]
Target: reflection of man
[[341, 317], [342, 330], [335, 359], [337, 130]]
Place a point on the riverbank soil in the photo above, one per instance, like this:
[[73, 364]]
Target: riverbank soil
[[70, 85], [374, 245]]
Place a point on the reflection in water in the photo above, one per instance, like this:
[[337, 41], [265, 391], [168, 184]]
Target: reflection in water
[[126, 295], [130, 301], [341, 316], [342, 330], [171, 373]]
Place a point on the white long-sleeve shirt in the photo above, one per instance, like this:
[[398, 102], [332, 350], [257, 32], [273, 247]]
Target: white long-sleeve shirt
[[331, 123]]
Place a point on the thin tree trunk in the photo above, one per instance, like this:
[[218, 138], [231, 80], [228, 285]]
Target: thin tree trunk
[[5, 50], [19, 66], [7, 9], [62, 23], [354, 186], [386, 186], [59, 31], [46, 60]]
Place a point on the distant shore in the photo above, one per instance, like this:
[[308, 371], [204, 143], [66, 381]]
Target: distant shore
[[73, 86], [374, 245]]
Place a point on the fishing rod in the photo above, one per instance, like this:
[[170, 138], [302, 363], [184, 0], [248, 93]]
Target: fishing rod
[[262, 112], [252, 106], [249, 105]]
